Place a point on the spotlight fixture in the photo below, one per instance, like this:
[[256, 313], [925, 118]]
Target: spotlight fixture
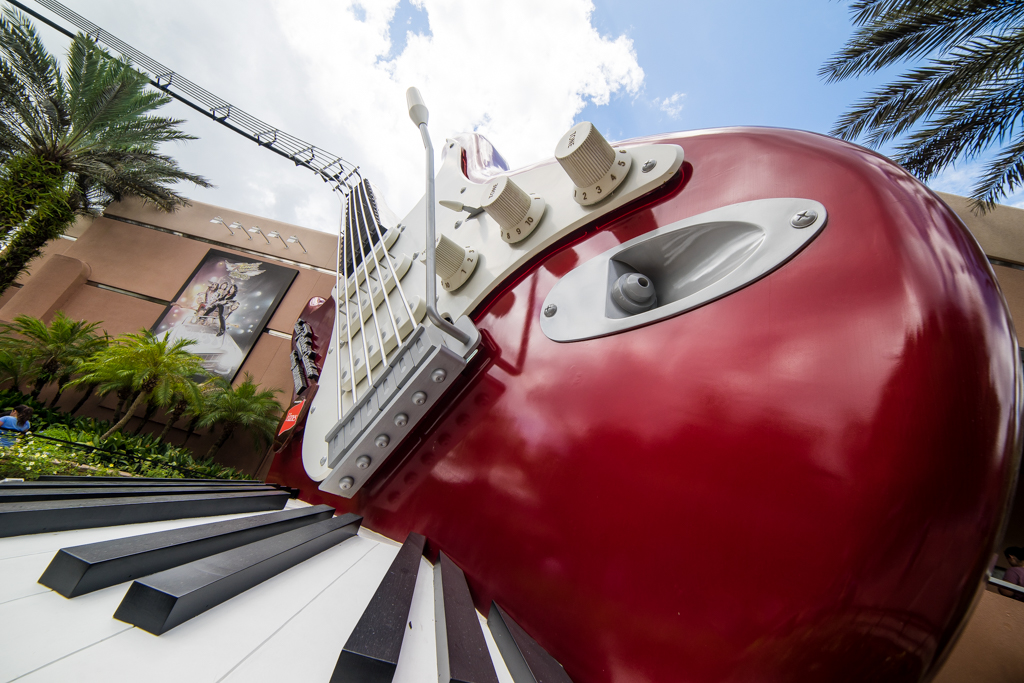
[[218, 219], [295, 240], [237, 226], [256, 231], [278, 236]]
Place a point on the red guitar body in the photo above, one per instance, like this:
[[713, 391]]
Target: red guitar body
[[801, 481]]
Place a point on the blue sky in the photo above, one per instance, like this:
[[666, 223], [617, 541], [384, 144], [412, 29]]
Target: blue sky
[[737, 63], [334, 72]]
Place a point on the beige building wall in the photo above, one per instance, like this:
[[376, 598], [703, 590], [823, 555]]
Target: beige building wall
[[124, 267]]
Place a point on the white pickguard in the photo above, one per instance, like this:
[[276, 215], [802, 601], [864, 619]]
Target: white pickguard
[[497, 261]]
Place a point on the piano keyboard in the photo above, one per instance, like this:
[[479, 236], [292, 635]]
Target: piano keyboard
[[251, 585]]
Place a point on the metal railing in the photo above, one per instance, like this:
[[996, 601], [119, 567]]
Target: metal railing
[[331, 168]]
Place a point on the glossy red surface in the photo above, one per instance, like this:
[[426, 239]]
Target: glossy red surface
[[801, 481]]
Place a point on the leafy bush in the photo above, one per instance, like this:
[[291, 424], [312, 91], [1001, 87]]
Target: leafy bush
[[30, 458], [144, 455], [139, 455]]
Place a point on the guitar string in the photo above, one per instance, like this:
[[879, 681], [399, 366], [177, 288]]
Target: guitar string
[[360, 218], [359, 313], [365, 201], [337, 306], [398, 284], [348, 317]]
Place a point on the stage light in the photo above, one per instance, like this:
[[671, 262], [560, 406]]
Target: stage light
[[256, 231], [278, 236], [295, 240], [218, 219]]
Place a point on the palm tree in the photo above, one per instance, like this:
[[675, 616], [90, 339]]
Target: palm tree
[[74, 140], [56, 349], [15, 369], [145, 364], [183, 402], [257, 412], [964, 99]]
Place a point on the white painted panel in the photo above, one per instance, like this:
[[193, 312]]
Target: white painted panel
[[418, 661], [40, 629], [308, 646], [499, 664], [210, 645]]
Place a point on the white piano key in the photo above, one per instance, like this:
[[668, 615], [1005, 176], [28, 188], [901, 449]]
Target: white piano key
[[320, 629], [418, 661], [209, 646]]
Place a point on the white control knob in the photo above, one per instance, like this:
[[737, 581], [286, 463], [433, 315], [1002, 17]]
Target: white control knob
[[454, 264], [516, 213], [594, 167]]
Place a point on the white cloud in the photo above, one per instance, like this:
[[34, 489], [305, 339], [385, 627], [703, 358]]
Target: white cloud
[[959, 179], [323, 70], [515, 72], [673, 105]]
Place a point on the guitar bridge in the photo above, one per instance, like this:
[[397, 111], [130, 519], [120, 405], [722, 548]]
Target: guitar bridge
[[425, 367]]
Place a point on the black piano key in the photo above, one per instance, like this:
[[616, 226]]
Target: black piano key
[[162, 601], [527, 661], [17, 519], [7, 495], [462, 655], [371, 653], [87, 568]]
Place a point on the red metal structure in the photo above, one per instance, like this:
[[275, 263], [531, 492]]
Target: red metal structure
[[801, 481]]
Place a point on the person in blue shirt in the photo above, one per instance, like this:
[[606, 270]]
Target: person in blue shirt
[[16, 421]]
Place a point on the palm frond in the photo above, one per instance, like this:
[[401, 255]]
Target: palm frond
[[905, 31], [967, 97]]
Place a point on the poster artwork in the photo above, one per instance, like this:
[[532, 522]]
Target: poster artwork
[[224, 307]]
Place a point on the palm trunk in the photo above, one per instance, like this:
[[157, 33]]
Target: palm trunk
[[173, 417], [85, 397], [127, 415], [125, 396], [150, 411], [40, 383], [62, 382], [223, 439], [50, 218], [191, 430], [120, 406], [24, 181]]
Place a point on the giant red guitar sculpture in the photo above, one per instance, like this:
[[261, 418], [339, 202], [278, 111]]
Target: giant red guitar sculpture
[[789, 463]]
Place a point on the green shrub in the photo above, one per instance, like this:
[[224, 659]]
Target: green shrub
[[29, 458], [144, 455]]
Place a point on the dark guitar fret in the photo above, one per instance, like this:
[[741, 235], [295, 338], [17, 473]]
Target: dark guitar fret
[[527, 661], [462, 655], [82, 569], [371, 653], [162, 601], [17, 519]]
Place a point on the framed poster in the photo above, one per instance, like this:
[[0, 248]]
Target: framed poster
[[224, 306]]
